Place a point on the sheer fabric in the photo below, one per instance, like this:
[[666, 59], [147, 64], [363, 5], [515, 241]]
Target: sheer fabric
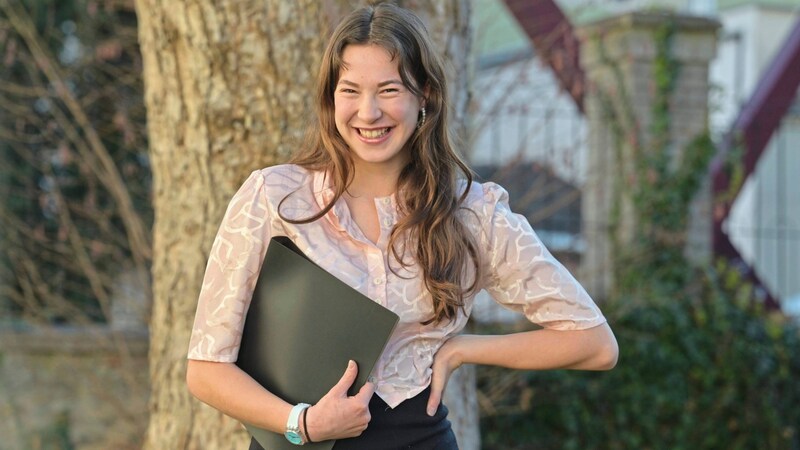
[[519, 272]]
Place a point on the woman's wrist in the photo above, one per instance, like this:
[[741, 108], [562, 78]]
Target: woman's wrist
[[454, 351], [304, 427], [311, 426]]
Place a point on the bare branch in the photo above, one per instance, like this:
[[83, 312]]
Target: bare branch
[[114, 183]]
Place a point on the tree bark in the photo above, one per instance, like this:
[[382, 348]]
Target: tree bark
[[228, 89]]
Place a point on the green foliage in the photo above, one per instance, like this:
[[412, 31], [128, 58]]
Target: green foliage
[[56, 436], [707, 369], [656, 179], [702, 366]]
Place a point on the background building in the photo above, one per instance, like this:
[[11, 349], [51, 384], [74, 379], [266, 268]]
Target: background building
[[523, 116]]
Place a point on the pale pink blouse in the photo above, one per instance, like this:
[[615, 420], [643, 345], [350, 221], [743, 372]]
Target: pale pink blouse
[[519, 272]]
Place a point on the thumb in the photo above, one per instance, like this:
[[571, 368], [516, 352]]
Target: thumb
[[347, 379]]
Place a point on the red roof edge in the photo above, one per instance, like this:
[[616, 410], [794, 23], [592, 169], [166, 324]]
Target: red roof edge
[[555, 41]]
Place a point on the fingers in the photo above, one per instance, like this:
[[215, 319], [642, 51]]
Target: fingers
[[365, 393], [362, 413], [438, 383], [435, 398], [347, 379], [338, 415], [445, 361]]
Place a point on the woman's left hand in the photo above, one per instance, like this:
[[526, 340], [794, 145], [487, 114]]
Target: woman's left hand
[[446, 360]]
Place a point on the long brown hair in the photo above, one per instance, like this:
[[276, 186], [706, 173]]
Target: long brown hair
[[442, 245]]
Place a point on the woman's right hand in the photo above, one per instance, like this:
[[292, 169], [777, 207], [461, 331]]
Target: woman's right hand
[[337, 416]]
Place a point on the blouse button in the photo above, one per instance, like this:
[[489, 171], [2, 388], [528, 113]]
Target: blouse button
[[387, 222], [386, 200], [377, 280]]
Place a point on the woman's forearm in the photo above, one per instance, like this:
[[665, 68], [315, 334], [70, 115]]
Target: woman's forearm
[[592, 349], [228, 389]]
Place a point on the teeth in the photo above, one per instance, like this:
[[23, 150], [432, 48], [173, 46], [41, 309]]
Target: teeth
[[372, 134]]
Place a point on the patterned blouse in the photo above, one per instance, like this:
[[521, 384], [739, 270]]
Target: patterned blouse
[[519, 273]]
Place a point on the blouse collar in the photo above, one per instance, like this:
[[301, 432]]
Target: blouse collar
[[339, 215]]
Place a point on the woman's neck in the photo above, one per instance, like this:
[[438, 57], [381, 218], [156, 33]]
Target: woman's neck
[[371, 182]]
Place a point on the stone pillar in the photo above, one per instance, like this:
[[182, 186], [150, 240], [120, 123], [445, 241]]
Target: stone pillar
[[617, 56]]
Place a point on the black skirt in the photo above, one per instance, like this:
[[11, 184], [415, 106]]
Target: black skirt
[[407, 426]]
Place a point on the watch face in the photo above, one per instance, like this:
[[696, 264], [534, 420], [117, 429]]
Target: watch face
[[293, 437]]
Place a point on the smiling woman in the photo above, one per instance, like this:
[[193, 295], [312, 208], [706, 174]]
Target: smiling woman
[[386, 205], [375, 113]]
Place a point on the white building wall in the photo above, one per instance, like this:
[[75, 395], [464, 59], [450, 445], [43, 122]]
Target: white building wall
[[751, 37], [764, 223], [522, 115]]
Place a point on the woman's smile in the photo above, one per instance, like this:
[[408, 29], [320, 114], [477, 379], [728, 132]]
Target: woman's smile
[[374, 135], [375, 113]]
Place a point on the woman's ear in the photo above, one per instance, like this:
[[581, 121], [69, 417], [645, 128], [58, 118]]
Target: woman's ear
[[425, 94]]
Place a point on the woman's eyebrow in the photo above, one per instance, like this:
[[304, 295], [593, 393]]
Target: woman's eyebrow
[[388, 82], [381, 84]]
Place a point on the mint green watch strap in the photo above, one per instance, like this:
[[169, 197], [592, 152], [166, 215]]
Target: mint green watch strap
[[293, 433]]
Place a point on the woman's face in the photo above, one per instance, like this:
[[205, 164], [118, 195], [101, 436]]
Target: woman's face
[[374, 112]]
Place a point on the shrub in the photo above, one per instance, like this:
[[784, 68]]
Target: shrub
[[702, 367]]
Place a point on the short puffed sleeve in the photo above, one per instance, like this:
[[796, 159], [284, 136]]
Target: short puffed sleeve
[[231, 274], [522, 275]]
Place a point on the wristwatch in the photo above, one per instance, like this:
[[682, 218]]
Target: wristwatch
[[293, 433]]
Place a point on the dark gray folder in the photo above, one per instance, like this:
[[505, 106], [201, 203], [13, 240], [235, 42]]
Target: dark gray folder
[[301, 329]]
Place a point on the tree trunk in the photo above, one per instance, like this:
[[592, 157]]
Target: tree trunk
[[228, 89]]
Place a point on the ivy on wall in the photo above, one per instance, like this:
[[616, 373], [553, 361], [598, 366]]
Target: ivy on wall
[[701, 365], [658, 181]]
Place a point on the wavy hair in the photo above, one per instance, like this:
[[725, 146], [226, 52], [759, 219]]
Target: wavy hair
[[429, 224]]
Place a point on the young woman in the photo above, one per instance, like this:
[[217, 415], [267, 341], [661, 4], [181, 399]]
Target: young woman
[[380, 199]]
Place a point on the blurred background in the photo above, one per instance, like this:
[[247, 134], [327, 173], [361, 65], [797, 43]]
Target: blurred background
[[651, 144]]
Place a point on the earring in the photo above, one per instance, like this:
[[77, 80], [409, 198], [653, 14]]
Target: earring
[[422, 119]]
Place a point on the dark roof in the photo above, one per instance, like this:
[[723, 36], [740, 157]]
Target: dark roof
[[548, 202]]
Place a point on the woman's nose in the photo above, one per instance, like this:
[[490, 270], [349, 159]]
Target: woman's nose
[[368, 109]]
